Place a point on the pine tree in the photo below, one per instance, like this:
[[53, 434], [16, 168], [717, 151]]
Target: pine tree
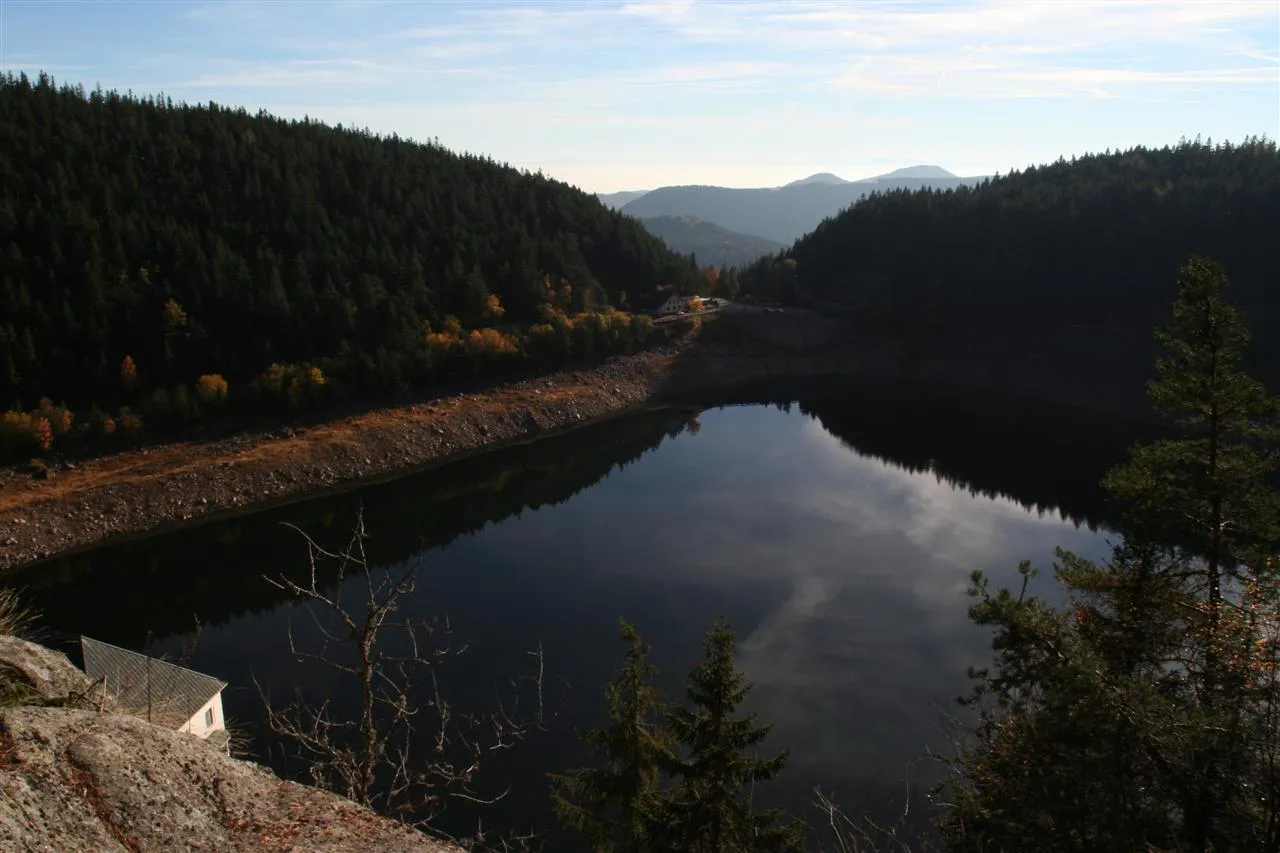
[[616, 807], [1208, 490], [1143, 715], [710, 810]]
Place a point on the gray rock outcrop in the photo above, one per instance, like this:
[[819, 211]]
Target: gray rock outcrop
[[46, 674], [78, 779]]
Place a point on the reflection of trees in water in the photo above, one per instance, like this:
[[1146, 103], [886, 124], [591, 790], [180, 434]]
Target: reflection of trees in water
[[120, 592], [1045, 458]]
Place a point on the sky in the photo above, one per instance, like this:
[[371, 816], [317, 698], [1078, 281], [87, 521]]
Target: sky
[[634, 95]]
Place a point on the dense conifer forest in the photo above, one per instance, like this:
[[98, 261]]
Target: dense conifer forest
[[159, 259], [1069, 264]]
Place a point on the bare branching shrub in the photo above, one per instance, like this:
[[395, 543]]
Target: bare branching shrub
[[239, 743], [15, 617], [839, 832], [406, 751]]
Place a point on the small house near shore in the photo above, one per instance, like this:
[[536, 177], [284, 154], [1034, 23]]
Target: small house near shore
[[158, 691]]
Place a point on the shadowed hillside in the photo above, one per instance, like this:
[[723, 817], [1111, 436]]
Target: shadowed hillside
[[713, 245], [1064, 269]]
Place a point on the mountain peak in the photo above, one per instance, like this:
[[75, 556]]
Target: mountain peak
[[819, 178], [916, 172]]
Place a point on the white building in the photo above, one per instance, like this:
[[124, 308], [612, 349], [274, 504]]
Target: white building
[[158, 691], [664, 305]]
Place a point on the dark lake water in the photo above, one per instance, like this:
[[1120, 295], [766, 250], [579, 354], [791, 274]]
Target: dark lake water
[[836, 531]]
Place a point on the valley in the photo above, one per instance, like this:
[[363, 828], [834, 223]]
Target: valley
[[805, 494]]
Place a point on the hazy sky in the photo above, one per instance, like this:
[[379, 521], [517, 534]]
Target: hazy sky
[[615, 96]]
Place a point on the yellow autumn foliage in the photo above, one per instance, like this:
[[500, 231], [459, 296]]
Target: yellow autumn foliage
[[442, 342], [128, 373], [60, 418], [211, 388], [491, 343], [493, 307]]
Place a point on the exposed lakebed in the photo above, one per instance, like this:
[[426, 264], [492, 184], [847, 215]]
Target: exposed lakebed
[[838, 535]]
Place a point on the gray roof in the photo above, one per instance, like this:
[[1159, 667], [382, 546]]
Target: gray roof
[[175, 693]]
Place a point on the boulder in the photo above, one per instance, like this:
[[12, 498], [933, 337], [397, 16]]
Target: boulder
[[74, 775], [46, 673], [72, 779]]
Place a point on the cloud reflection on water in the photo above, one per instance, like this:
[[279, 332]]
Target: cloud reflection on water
[[858, 570]]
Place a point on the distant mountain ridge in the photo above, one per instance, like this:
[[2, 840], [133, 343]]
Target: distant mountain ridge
[[782, 214], [915, 172], [620, 199], [819, 178], [729, 226], [922, 171], [713, 245]]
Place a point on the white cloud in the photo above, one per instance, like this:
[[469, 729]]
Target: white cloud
[[1082, 48], [1057, 26], [297, 73], [988, 77], [740, 92], [667, 11], [715, 74], [996, 49], [228, 12]]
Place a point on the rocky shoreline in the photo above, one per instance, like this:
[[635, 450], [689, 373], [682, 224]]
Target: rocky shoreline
[[78, 504], [84, 503]]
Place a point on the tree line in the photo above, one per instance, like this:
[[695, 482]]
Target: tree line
[[159, 261], [1065, 266]]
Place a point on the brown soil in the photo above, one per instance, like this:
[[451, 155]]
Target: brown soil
[[82, 503]]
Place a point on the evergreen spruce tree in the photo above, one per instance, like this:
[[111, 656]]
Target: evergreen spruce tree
[[710, 810], [616, 807], [1206, 489], [1209, 491], [1068, 751], [1143, 714]]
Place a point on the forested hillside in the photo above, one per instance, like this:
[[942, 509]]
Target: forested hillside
[[1070, 265], [151, 254]]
